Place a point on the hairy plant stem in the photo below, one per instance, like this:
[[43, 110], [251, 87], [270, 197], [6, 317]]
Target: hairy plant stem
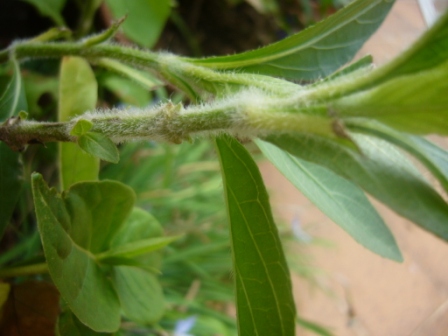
[[247, 114], [23, 270]]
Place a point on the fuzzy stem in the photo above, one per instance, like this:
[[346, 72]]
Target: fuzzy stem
[[247, 114]]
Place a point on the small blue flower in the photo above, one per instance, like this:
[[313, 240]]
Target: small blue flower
[[184, 326]]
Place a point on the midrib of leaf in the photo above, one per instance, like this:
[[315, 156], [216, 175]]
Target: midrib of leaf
[[259, 254], [276, 55], [243, 286]]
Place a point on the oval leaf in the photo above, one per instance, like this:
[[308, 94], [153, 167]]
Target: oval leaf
[[265, 305], [99, 146], [72, 226], [381, 170], [342, 201], [77, 94], [140, 293]]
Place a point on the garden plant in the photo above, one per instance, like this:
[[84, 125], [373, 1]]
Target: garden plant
[[336, 130]]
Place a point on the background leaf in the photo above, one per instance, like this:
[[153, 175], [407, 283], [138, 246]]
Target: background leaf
[[431, 155], [265, 305], [73, 227], [315, 52], [69, 325], [140, 292], [381, 170], [13, 98], [338, 198], [78, 93], [50, 8], [12, 102], [145, 18]]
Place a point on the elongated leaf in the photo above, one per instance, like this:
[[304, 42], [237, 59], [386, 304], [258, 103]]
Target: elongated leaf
[[72, 227], [315, 52], [364, 62], [428, 52], [265, 304], [431, 155], [13, 98], [99, 146], [127, 90], [314, 327], [77, 94], [382, 171], [138, 248], [338, 198], [416, 103], [150, 15], [12, 101]]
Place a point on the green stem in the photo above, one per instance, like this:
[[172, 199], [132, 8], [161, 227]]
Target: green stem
[[246, 114], [23, 270], [172, 69]]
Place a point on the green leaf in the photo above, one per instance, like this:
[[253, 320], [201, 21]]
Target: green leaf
[[339, 199], [431, 155], [69, 325], [77, 94], [140, 225], [81, 127], [11, 102], [137, 248], [416, 103], [428, 52], [50, 8], [13, 98], [363, 62], [73, 227], [100, 146], [140, 293], [127, 90], [314, 327], [315, 52], [145, 18], [381, 170], [144, 79], [264, 300]]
